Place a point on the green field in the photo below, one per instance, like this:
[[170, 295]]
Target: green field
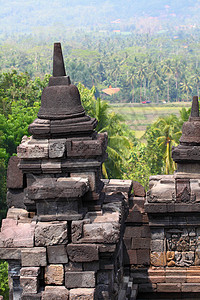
[[139, 116]]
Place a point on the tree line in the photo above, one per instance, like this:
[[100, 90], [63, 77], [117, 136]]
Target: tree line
[[156, 68]]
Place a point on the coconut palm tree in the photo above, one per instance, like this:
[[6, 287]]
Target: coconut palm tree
[[168, 131], [186, 86], [168, 71]]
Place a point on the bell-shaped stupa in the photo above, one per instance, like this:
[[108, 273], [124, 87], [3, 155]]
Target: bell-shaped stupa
[[61, 112]]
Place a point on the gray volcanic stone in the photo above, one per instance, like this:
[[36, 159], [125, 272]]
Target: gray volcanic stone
[[40, 128], [58, 62], [30, 166], [10, 253], [82, 252], [118, 185], [80, 279], [82, 148], [34, 257], [29, 284], [51, 233], [33, 148], [138, 189], [55, 293], [14, 174], [101, 232], [82, 293], [56, 148], [30, 271], [15, 197], [57, 254], [50, 188]]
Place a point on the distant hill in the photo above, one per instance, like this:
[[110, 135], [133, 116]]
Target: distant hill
[[27, 15]]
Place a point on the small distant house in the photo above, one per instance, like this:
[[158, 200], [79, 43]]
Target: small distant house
[[111, 91]]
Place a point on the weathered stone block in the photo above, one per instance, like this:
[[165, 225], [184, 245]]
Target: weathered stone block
[[157, 279], [135, 215], [77, 230], [15, 198], [133, 232], [51, 233], [15, 235], [51, 166], [101, 232], [30, 166], [176, 279], [82, 294], [158, 259], [54, 274], [55, 293], [34, 257], [79, 279], [57, 254], [61, 188], [29, 284], [90, 148], [169, 287], [91, 176], [30, 271], [147, 287], [17, 213], [143, 256], [192, 279], [10, 253], [157, 234], [30, 296], [130, 257], [32, 148], [138, 189], [157, 245], [145, 231], [56, 148], [74, 266], [119, 186], [14, 174], [91, 266], [190, 287], [82, 252], [40, 127], [140, 243]]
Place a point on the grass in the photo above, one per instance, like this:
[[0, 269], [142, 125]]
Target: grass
[[139, 116]]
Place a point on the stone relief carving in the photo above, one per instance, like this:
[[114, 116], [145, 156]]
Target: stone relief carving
[[181, 246]]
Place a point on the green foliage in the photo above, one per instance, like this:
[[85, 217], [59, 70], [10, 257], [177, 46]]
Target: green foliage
[[138, 166], [145, 67], [119, 137], [15, 87], [4, 289]]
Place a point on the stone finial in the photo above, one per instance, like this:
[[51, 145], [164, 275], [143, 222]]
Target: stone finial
[[195, 107], [58, 62]]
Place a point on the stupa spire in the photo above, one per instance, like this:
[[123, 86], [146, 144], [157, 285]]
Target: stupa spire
[[195, 107], [58, 62]]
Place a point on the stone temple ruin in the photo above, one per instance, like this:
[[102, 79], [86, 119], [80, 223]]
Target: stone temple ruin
[[69, 234]]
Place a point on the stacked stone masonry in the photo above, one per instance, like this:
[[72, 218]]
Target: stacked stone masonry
[[69, 234]]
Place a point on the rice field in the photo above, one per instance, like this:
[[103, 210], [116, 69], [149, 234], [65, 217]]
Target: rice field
[[139, 116]]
